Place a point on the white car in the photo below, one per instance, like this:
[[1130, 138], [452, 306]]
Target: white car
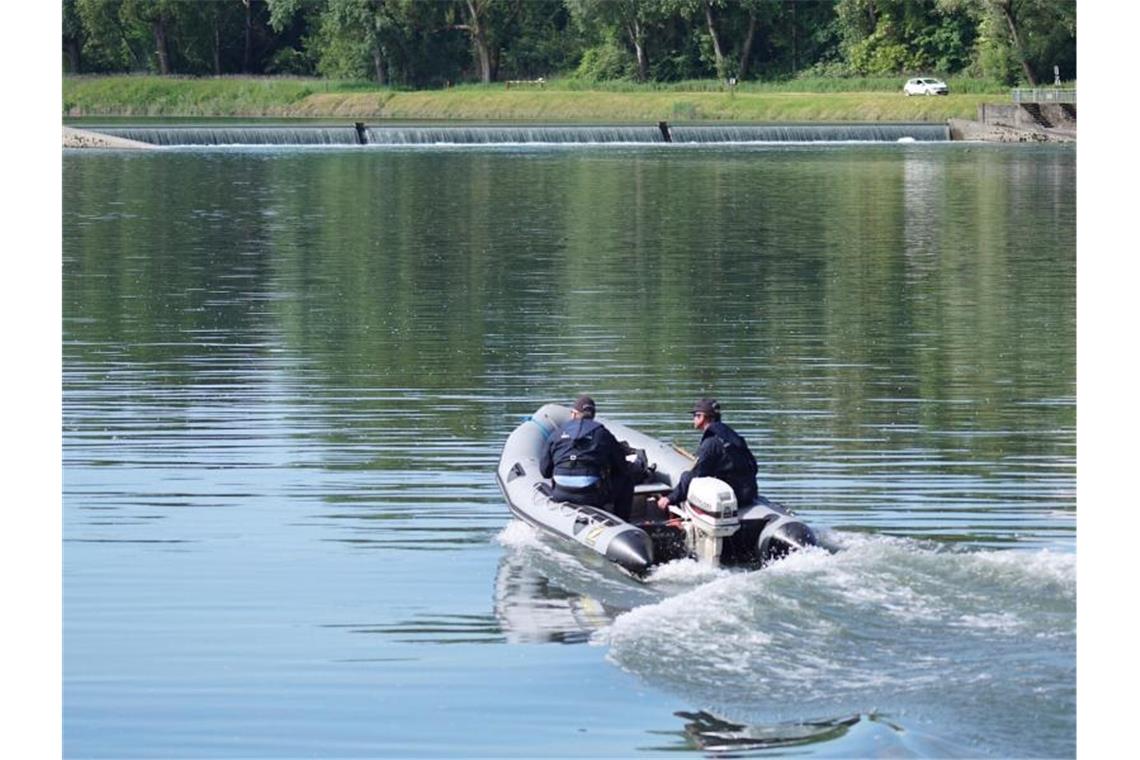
[[925, 86]]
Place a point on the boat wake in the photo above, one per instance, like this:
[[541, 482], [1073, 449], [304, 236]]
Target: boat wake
[[984, 640], [978, 640]]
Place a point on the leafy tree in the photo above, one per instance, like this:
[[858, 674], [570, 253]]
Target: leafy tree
[[107, 43], [295, 22], [489, 25], [731, 29], [282, 12], [357, 39], [542, 41], [1029, 35], [209, 37], [159, 17], [741, 22], [897, 36], [630, 21], [383, 40], [1014, 18], [806, 34], [163, 35], [435, 42], [73, 34]]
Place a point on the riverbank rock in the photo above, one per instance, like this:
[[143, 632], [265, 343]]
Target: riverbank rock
[[82, 138], [964, 129]]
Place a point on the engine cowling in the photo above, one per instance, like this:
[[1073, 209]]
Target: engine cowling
[[711, 517]]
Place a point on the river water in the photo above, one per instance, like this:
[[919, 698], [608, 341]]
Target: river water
[[288, 372]]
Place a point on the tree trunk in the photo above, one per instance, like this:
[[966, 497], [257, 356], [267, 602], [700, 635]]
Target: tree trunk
[[795, 41], [1007, 11], [378, 65], [217, 46], [484, 59], [479, 39], [718, 51], [247, 52], [746, 50], [73, 56], [638, 39], [161, 48], [642, 63]]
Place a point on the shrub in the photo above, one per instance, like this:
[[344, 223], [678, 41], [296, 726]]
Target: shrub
[[874, 55], [291, 62], [606, 61]]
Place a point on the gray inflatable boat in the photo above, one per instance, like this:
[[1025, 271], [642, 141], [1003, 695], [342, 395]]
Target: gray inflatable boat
[[708, 527]]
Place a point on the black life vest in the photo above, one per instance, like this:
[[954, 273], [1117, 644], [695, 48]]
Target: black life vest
[[738, 466], [578, 449]]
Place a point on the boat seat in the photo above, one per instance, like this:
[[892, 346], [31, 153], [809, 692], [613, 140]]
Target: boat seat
[[646, 489]]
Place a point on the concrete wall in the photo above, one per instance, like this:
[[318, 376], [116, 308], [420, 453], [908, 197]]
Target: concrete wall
[[1013, 115]]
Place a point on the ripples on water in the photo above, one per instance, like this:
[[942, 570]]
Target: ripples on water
[[957, 646], [287, 377], [898, 630]]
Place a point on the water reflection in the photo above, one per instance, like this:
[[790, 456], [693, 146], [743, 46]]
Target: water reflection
[[707, 732], [287, 376], [863, 735], [433, 629], [533, 610]]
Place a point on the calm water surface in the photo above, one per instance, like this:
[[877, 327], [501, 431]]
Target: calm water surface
[[288, 374]]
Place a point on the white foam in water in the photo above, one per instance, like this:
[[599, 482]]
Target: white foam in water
[[1036, 569], [994, 621], [884, 619], [519, 534], [685, 572]]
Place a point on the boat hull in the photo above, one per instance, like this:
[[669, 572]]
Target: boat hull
[[767, 530]]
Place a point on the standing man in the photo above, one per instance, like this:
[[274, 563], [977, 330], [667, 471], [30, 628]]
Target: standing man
[[722, 454], [587, 463]]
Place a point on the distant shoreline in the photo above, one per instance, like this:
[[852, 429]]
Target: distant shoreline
[[89, 98], [285, 98]]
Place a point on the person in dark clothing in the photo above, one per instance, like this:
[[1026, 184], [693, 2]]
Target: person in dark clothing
[[723, 454], [587, 463]]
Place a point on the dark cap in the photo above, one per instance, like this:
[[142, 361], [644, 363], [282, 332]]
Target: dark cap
[[709, 407], [585, 406]]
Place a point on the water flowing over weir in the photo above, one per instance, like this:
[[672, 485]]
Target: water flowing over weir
[[236, 135], [539, 134]]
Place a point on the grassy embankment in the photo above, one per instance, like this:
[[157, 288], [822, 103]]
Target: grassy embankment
[[822, 100]]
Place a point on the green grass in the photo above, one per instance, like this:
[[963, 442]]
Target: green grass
[[187, 96], [804, 84], [561, 100]]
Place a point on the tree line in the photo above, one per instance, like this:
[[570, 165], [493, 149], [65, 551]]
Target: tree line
[[435, 43]]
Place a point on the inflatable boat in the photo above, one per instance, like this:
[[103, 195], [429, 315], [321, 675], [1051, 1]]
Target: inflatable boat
[[709, 527]]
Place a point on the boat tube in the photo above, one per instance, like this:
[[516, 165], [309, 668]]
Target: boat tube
[[709, 527]]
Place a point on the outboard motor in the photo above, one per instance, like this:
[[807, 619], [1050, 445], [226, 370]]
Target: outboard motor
[[782, 536], [710, 518]]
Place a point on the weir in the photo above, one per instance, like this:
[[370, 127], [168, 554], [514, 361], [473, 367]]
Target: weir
[[235, 135], [812, 133], [360, 134]]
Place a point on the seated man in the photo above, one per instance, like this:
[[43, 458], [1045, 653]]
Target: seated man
[[587, 463], [722, 454]]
